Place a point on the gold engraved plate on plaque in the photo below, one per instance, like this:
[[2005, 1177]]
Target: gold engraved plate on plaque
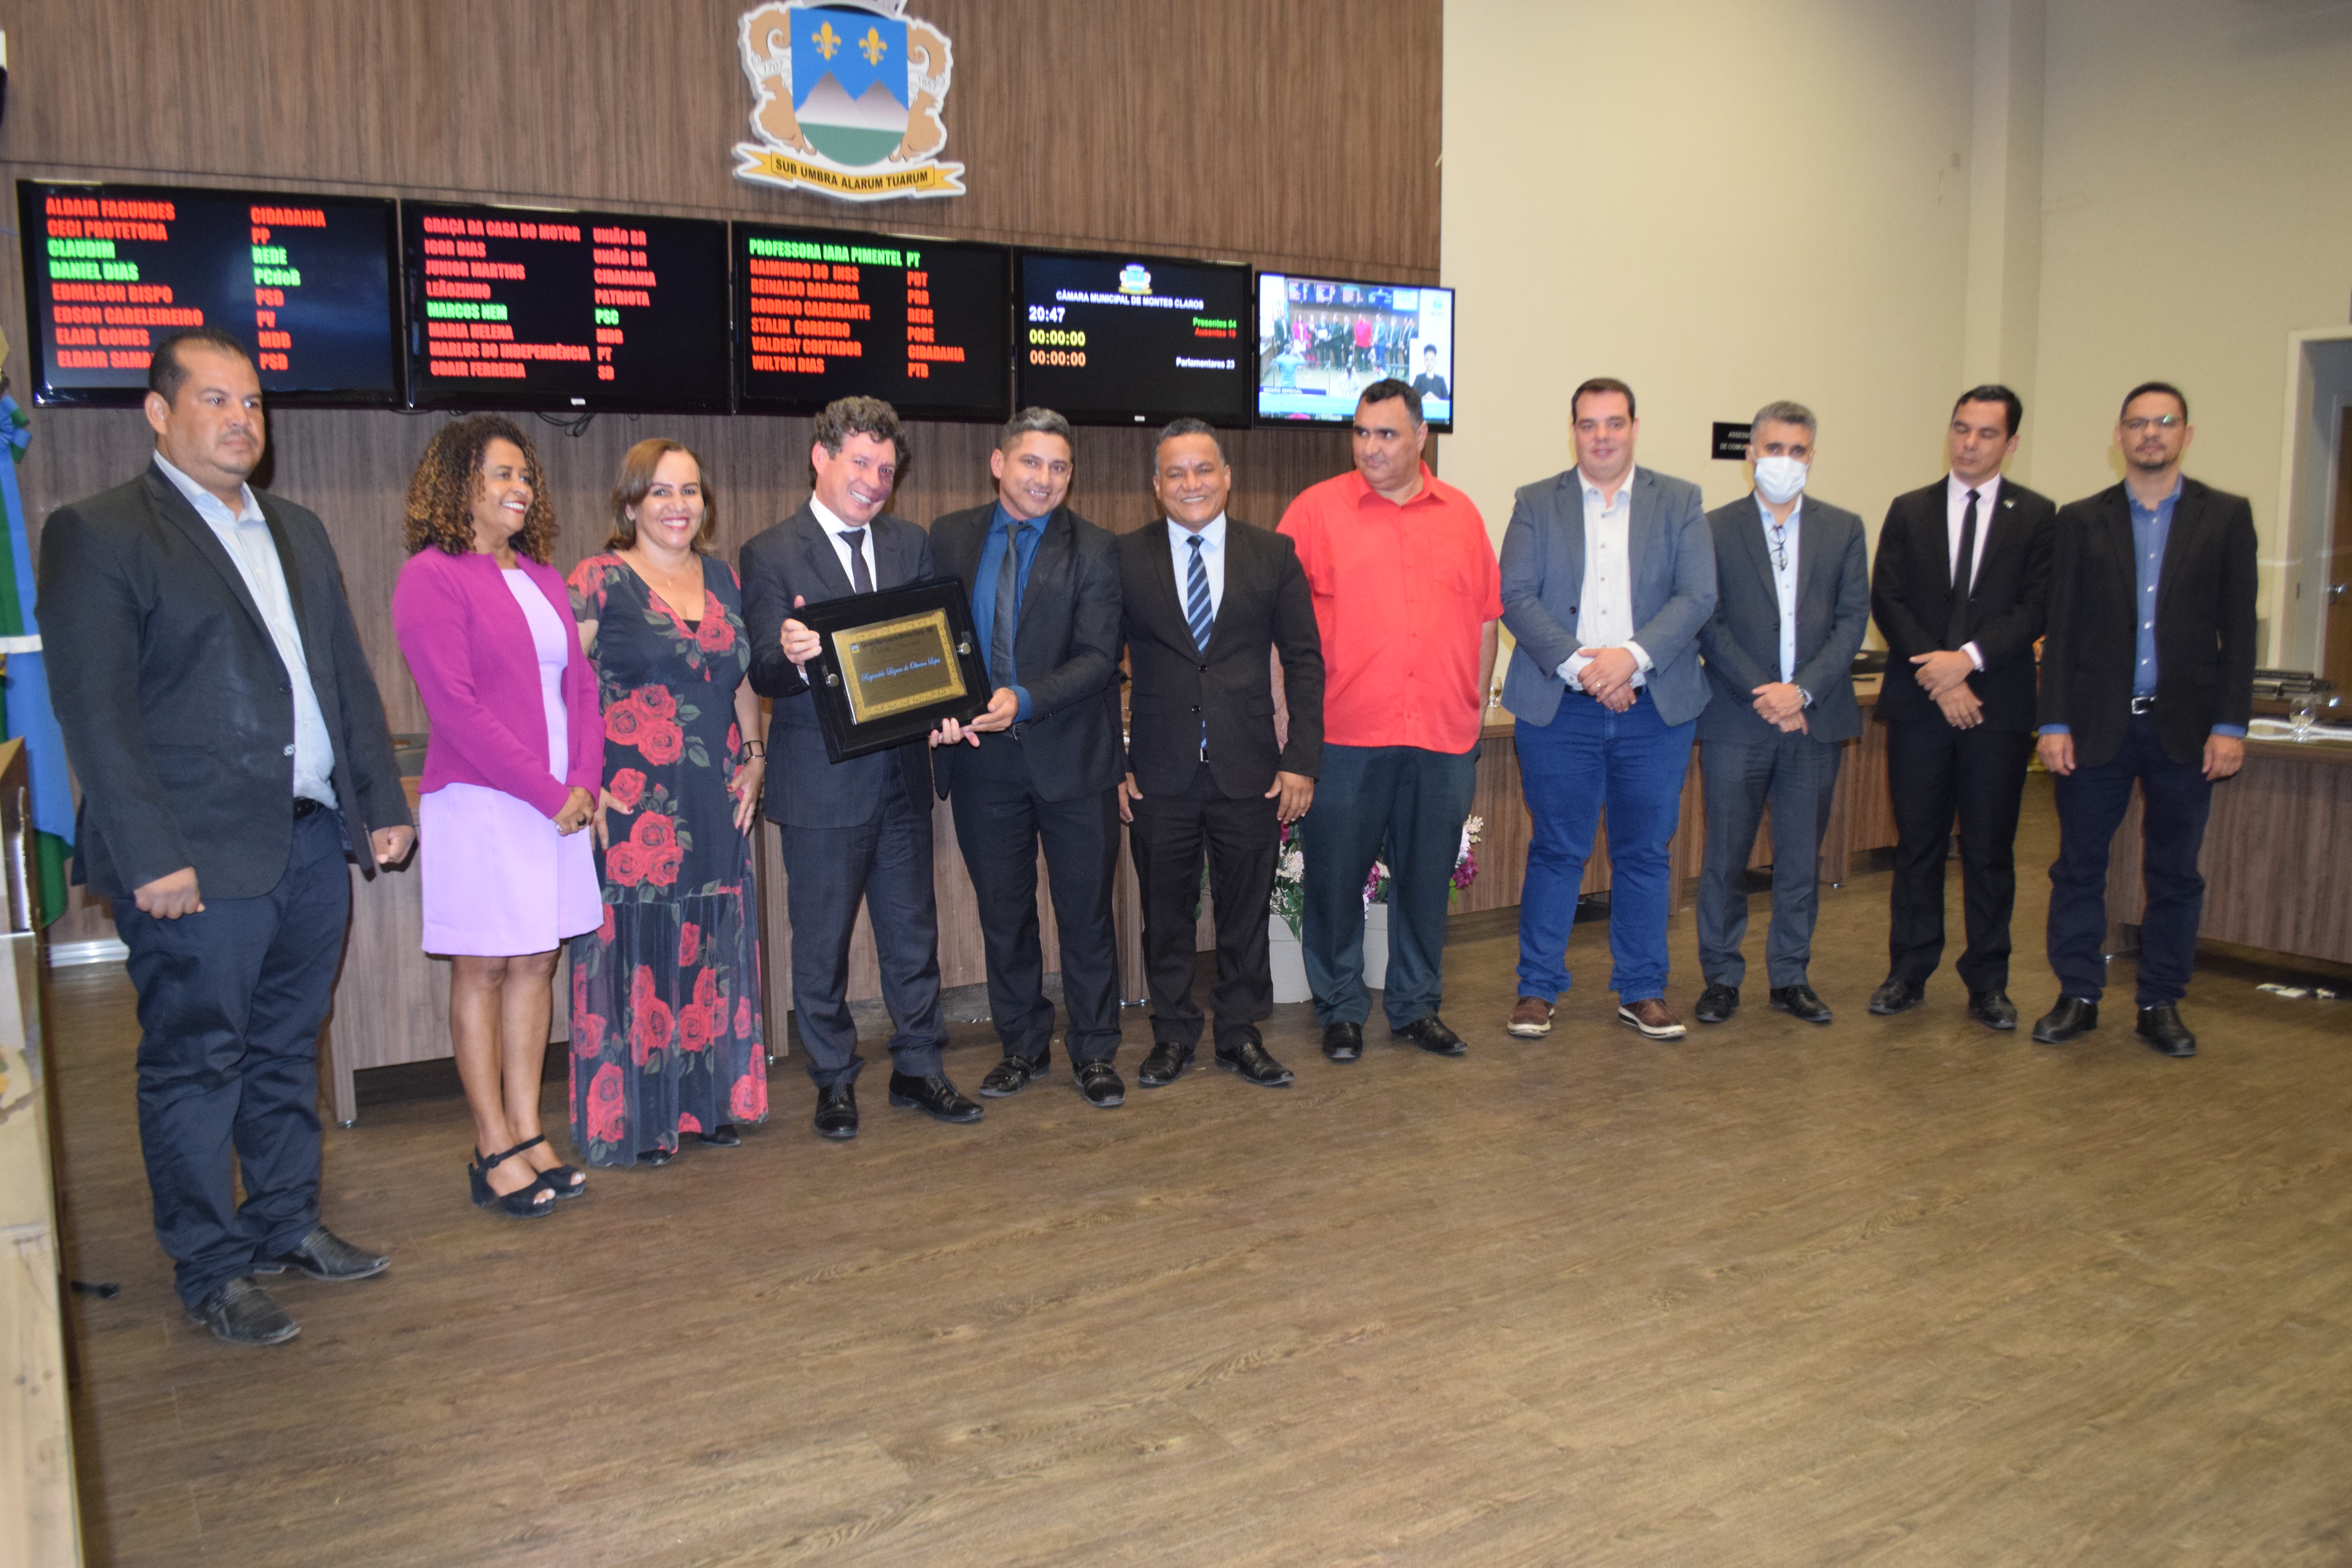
[[893, 666]]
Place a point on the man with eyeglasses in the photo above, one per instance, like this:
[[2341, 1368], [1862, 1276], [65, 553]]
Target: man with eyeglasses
[[1793, 600], [2148, 677]]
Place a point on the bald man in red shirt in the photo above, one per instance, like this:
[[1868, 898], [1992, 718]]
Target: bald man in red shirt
[[1407, 597]]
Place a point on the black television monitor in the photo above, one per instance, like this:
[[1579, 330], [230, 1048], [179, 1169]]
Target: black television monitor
[[1112, 338], [525, 308], [1321, 341], [826, 313], [306, 282]]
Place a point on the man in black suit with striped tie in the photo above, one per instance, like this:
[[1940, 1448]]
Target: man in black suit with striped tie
[[1206, 601], [1961, 585]]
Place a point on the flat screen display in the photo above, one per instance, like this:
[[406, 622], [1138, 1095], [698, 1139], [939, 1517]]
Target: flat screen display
[[306, 282], [827, 313], [1321, 341], [520, 308], [1115, 339]]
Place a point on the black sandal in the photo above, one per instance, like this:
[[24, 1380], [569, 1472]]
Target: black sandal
[[564, 1181], [523, 1203]]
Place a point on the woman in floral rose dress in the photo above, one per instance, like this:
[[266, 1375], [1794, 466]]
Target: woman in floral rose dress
[[667, 1035]]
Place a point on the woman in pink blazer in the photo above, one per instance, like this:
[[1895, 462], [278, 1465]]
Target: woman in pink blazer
[[510, 779]]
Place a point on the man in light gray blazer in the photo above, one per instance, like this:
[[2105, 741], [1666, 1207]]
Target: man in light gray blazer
[[1793, 601], [1608, 576]]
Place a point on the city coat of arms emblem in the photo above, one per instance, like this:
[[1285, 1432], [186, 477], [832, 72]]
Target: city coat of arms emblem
[[850, 98]]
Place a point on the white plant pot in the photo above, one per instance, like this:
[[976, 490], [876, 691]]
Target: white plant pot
[[1289, 962]]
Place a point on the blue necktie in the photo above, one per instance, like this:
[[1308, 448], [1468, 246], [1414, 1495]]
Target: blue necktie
[[1196, 598]]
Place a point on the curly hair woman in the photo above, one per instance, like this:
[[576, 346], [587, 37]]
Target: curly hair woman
[[510, 778]]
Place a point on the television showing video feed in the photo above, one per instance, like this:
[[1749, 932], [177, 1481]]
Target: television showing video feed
[[1321, 341], [306, 282], [525, 308], [1115, 339], [827, 313]]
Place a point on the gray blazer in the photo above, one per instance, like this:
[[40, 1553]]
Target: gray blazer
[[793, 559], [1742, 643], [1543, 579]]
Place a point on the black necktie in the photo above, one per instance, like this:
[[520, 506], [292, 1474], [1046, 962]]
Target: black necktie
[[1005, 621], [860, 579], [1956, 629]]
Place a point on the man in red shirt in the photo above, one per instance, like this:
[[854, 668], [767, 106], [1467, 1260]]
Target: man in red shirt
[[1407, 597]]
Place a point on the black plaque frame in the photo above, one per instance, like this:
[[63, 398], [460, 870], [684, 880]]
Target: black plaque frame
[[838, 622]]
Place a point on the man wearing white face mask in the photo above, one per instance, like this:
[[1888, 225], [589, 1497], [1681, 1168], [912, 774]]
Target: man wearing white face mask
[[1793, 600]]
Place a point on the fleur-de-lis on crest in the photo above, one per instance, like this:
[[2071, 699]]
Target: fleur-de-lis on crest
[[873, 46], [828, 42]]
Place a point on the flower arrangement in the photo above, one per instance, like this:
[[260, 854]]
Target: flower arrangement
[[1290, 873]]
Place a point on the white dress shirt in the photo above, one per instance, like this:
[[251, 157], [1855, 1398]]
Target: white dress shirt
[[1784, 579], [1604, 616], [833, 530], [1955, 505], [1212, 560], [245, 535]]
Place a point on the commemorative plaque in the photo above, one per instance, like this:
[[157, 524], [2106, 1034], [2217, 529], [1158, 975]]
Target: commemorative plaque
[[891, 665]]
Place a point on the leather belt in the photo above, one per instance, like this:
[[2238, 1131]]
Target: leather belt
[[2143, 705], [304, 805]]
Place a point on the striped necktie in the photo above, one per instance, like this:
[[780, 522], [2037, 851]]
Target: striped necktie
[[1196, 598]]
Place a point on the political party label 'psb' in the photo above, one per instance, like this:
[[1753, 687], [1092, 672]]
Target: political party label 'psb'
[[850, 98]]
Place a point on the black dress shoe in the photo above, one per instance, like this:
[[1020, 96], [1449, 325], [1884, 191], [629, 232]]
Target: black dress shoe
[[1431, 1036], [722, 1136], [1799, 1002], [2070, 1020], [1164, 1066], [1010, 1076], [1099, 1082], [836, 1111], [1717, 1003], [1993, 1009], [1343, 1042], [934, 1096], [1251, 1060], [323, 1255], [2161, 1028], [657, 1156], [1896, 996], [242, 1314]]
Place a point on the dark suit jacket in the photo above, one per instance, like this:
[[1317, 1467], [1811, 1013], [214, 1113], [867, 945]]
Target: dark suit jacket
[[794, 559], [1672, 560], [177, 712], [2204, 622], [1174, 685], [1742, 643], [1911, 590], [1066, 648]]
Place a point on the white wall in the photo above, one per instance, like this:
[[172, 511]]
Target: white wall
[[1724, 204]]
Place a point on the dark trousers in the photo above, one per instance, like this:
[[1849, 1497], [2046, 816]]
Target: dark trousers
[[1001, 821], [231, 1001], [1934, 773], [886, 862], [1795, 775], [1413, 802], [1238, 837], [2174, 800], [1587, 758]]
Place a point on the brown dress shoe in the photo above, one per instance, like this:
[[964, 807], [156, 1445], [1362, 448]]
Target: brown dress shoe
[[1653, 1017], [1530, 1017]]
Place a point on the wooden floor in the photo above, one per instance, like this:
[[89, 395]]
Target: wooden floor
[[1894, 1291]]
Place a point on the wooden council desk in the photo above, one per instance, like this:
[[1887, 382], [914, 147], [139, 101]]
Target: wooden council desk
[[392, 1002]]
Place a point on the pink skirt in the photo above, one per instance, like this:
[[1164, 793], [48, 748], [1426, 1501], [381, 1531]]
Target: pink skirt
[[499, 880]]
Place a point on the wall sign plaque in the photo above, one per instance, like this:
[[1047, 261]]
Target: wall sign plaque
[[850, 98]]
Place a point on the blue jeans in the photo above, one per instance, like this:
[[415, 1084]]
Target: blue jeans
[[2174, 798], [1587, 758], [1413, 802]]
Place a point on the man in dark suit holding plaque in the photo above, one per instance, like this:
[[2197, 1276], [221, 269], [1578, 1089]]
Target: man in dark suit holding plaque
[[1040, 767], [2147, 677], [219, 712], [1959, 589], [859, 829], [1207, 598], [1793, 601]]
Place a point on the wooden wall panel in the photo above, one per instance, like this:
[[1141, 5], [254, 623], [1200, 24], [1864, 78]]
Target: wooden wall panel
[[1299, 134]]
